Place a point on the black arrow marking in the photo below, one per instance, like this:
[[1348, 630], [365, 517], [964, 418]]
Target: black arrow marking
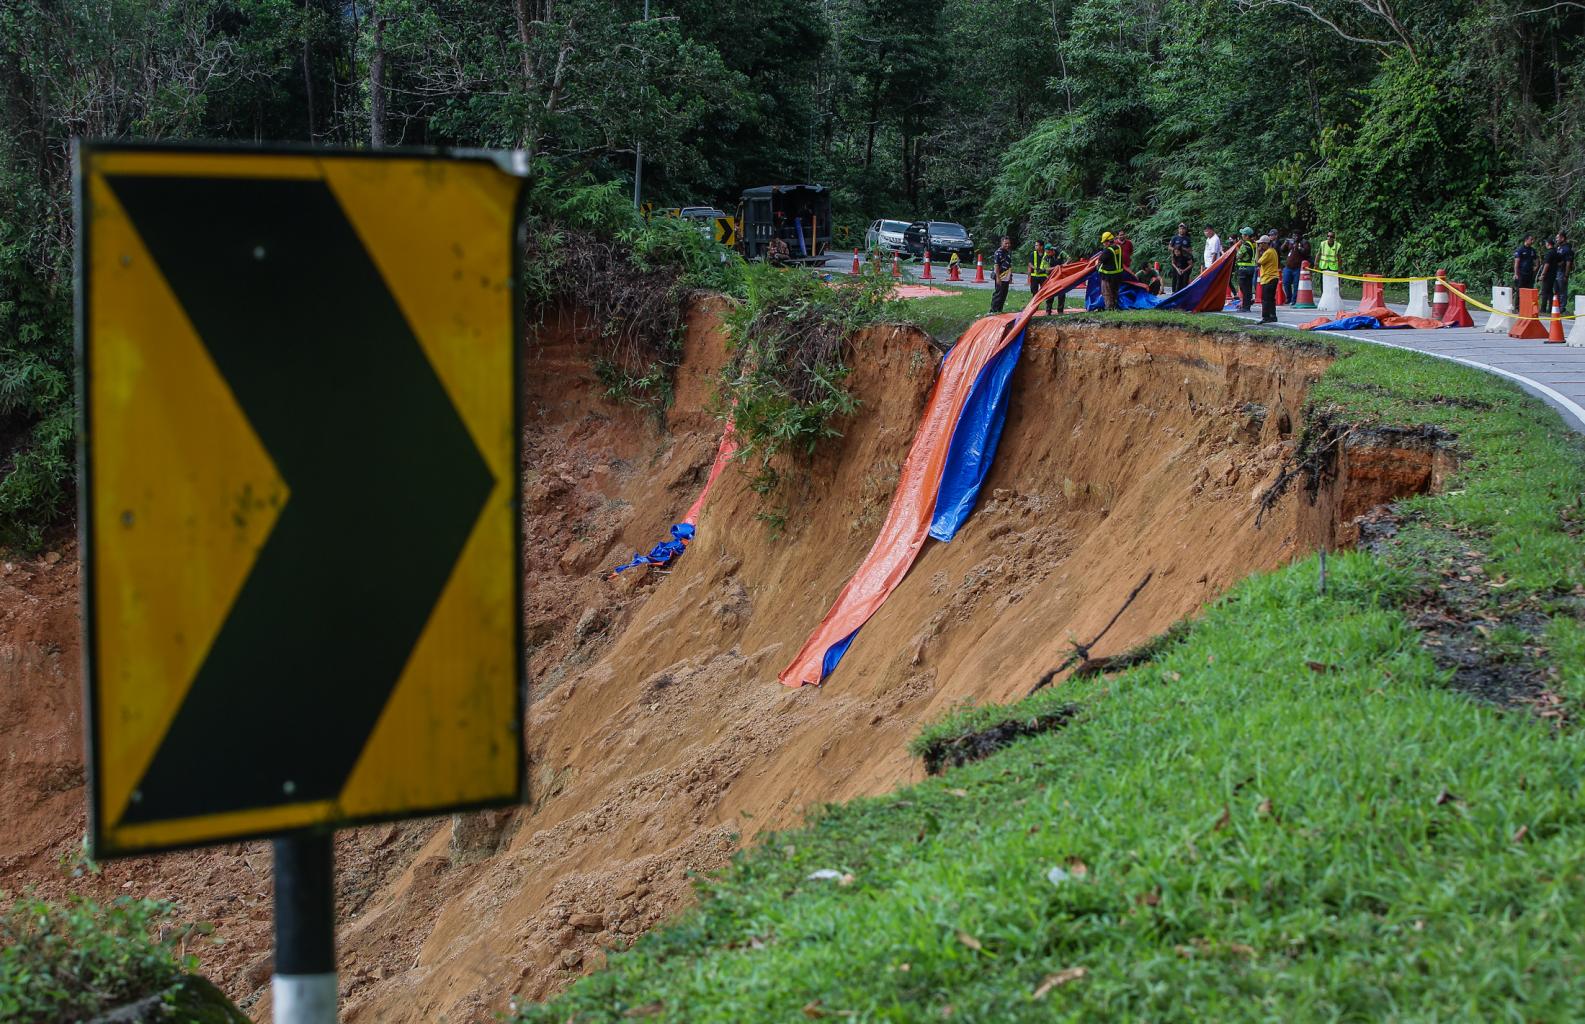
[[386, 485]]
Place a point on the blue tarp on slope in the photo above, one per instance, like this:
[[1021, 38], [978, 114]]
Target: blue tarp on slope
[[665, 551], [973, 445]]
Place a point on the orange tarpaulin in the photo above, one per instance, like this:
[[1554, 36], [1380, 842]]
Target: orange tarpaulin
[[913, 504], [723, 454], [1385, 318]]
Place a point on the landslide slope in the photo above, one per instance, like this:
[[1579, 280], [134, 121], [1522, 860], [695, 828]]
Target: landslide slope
[[662, 741], [659, 738]]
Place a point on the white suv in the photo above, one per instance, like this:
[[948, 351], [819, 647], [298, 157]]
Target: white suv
[[887, 235]]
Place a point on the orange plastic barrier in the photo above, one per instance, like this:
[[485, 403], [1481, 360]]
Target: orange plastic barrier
[[1373, 297], [1529, 305], [1457, 314], [914, 502]]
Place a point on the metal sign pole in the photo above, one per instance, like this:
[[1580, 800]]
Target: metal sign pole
[[304, 987]]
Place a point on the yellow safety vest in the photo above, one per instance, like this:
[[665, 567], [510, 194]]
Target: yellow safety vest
[[1113, 264], [1328, 260], [1243, 247], [1041, 265]]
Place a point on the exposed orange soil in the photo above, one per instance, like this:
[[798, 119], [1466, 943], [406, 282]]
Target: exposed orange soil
[[658, 735]]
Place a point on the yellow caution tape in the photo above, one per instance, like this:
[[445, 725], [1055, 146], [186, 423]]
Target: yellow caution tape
[[1543, 318], [1378, 280]]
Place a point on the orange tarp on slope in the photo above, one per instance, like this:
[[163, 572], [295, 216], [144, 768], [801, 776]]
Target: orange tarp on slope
[[914, 502]]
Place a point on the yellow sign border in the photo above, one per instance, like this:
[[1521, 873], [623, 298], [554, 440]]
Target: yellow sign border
[[310, 816]]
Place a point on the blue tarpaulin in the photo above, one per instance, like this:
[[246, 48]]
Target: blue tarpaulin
[[1202, 295], [665, 551], [974, 440]]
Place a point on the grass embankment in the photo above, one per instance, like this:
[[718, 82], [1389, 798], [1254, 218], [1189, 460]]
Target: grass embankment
[[1289, 812]]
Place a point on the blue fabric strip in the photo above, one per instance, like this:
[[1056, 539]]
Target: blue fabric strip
[[828, 664], [973, 446]]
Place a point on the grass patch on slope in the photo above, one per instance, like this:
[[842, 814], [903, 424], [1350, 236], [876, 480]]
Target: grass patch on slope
[[1286, 814]]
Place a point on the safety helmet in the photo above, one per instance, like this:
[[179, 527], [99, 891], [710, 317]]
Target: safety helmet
[[1106, 236]]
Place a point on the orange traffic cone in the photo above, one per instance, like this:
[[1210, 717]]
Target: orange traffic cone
[[954, 271], [895, 272], [855, 262], [1306, 296], [927, 276], [1526, 326], [979, 268], [1554, 330], [1439, 297]]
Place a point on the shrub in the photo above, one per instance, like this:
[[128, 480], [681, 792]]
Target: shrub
[[73, 961], [588, 250], [785, 382]]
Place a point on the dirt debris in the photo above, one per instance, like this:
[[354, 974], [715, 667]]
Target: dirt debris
[[659, 740]]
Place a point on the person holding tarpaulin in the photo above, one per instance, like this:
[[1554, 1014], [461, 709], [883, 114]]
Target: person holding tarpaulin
[[1244, 260], [1039, 271], [1112, 268], [1001, 273]]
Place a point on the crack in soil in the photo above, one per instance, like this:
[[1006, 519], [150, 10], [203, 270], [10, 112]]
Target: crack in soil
[[1490, 644]]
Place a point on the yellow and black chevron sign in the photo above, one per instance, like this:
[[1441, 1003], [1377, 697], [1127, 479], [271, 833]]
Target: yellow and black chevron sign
[[298, 479], [726, 231]]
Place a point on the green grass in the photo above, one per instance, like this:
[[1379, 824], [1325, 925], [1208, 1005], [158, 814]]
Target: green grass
[[1286, 815]]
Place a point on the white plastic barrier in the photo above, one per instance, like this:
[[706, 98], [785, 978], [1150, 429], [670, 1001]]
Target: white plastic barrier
[[1331, 294], [1496, 323], [1418, 304], [1576, 334]]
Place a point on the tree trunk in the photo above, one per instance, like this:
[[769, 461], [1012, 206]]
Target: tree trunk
[[308, 71], [377, 85]]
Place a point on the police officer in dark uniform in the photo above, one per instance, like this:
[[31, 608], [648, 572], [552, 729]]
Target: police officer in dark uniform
[[1555, 268], [1002, 273], [1181, 257], [1523, 266]]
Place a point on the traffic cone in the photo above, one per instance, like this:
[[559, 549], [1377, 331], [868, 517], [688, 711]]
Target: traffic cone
[[979, 268], [1306, 296], [895, 272], [855, 262], [1554, 330], [1282, 298], [954, 271], [1526, 327], [926, 276], [1439, 298]]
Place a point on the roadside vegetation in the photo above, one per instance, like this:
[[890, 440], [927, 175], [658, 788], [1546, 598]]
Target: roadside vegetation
[[789, 342], [79, 960], [1327, 798]]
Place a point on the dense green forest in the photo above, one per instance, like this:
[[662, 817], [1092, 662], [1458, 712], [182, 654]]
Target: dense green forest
[[1426, 132]]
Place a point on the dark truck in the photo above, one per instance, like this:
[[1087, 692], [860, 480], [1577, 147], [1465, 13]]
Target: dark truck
[[799, 215]]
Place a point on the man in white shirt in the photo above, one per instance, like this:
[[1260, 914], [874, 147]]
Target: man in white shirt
[[1213, 246]]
